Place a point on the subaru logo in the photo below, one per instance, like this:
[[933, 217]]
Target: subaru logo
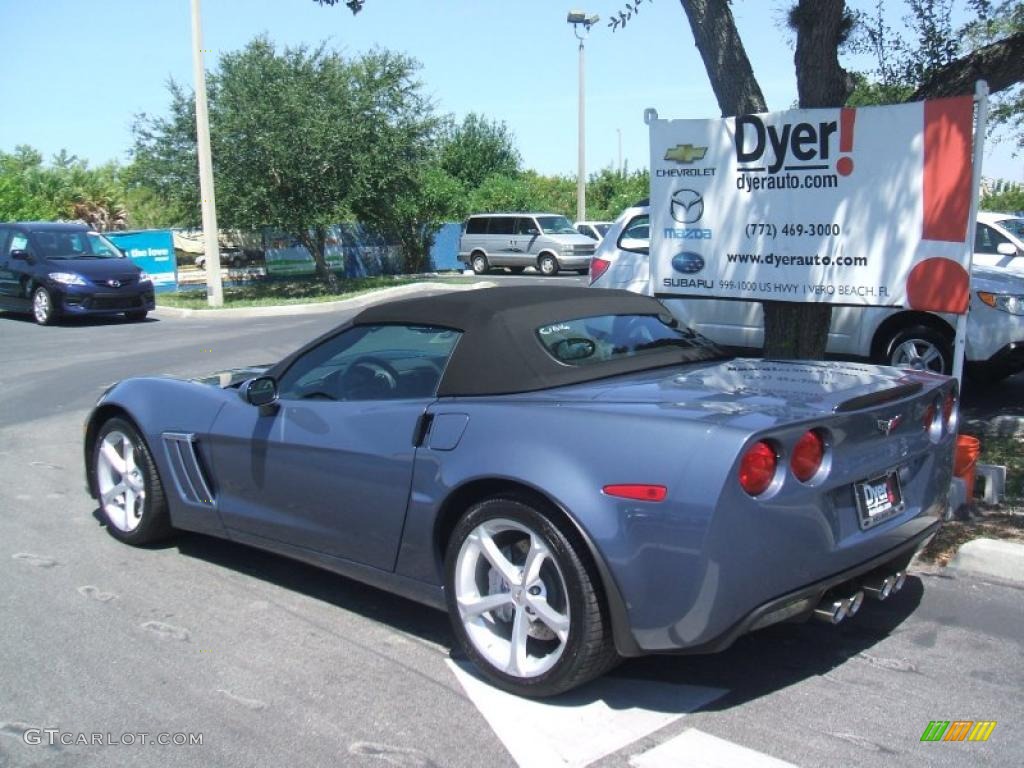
[[114, 283], [688, 262], [687, 206]]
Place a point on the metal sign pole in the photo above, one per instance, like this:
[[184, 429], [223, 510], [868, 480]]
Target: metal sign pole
[[981, 119]]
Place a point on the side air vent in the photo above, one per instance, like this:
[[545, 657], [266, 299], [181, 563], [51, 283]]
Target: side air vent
[[186, 470]]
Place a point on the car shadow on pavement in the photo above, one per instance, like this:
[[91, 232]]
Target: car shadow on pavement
[[348, 594], [78, 322]]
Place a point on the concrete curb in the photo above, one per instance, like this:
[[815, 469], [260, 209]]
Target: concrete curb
[[1003, 560], [320, 307]]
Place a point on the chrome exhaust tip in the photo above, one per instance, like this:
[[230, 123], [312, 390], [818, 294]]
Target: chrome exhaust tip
[[831, 611], [880, 589], [853, 603], [901, 576]]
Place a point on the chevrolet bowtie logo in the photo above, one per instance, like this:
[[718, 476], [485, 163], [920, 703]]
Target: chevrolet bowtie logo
[[685, 153]]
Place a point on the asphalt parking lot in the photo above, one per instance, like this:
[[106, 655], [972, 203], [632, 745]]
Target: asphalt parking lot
[[274, 662]]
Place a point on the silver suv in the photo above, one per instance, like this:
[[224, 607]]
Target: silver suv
[[894, 336], [545, 241]]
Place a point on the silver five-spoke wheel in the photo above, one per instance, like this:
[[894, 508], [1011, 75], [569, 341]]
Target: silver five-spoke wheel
[[121, 485], [127, 485], [512, 598], [525, 602]]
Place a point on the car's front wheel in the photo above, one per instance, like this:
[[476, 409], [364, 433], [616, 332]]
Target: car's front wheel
[[126, 480], [547, 265], [44, 310], [524, 605]]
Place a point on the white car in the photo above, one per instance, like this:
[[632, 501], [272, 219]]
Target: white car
[[594, 229], [999, 241], [901, 337]]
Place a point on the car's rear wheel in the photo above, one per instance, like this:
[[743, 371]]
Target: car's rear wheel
[[480, 265], [922, 348], [524, 604], [126, 480], [547, 265], [44, 310]]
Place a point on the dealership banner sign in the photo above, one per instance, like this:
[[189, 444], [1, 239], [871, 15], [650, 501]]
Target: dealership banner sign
[[868, 206], [152, 251]]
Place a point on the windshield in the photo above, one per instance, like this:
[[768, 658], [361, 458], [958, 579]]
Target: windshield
[[590, 340], [1013, 226], [556, 225], [74, 244]]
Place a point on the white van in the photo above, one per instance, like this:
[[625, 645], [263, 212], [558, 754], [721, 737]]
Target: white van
[[901, 337], [546, 241]]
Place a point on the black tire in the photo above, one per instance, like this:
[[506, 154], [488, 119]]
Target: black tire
[[920, 346], [154, 522], [547, 265], [44, 309], [588, 650], [480, 264], [137, 316]]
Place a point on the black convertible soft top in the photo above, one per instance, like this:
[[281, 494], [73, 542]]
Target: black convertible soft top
[[499, 352]]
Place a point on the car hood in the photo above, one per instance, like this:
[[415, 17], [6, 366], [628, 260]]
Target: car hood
[[232, 377], [776, 389], [96, 269], [997, 280]]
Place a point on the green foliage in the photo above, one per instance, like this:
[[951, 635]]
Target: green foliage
[[1003, 196], [477, 149], [609, 192], [65, 189], [301, 139]]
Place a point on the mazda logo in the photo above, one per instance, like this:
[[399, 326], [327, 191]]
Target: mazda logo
[[687, 206], [114, 283]]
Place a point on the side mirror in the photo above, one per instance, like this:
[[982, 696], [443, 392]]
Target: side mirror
[[532, 231], [20, 255], [1003, 249], [261, 392]]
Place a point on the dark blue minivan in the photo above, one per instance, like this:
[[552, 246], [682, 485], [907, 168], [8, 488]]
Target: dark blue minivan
[[53, 270]]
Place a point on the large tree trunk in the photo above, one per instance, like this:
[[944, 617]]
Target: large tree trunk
[[725, 58], [800, 329], [315, 242], [1001, 64]]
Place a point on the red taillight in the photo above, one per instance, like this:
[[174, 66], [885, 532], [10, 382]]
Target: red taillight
[[597, 268], [757, 468], [637, 491], [948, 406], [808, 454], [929, 416]]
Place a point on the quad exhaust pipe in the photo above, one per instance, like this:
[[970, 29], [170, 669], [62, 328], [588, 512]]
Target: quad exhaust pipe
[[880, 588], [833, 609]]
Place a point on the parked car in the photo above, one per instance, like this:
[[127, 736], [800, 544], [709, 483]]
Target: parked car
[[51, 270], [593, 229], [546, 241], [999, 241], [229, 257], [571, 474], [900, 337]]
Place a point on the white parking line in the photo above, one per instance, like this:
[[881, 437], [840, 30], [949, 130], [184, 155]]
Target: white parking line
[[575, 729], [696, 749]]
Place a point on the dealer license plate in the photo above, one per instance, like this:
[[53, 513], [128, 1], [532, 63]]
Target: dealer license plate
[[878, 499]]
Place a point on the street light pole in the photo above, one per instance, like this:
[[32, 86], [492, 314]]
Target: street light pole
[[214, 288], [580, 19]]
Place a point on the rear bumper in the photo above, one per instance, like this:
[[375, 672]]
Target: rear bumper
[[791, 605]]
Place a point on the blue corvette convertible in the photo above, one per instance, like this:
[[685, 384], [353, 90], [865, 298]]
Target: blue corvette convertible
[[569, 473]]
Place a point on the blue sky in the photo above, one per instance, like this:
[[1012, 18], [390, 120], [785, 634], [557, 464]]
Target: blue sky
[[76, 73]]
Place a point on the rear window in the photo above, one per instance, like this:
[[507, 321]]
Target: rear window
[[477, 226], [501, 225], [590, 340]]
